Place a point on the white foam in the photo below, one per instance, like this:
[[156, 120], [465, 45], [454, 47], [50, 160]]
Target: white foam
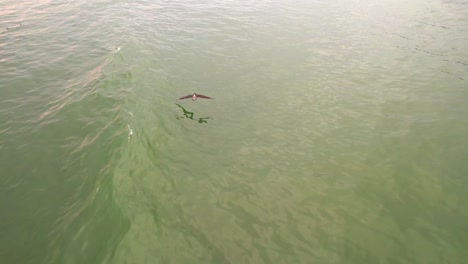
[[130, 132]]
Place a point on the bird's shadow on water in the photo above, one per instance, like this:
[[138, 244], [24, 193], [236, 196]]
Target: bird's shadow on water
[[189, 115]]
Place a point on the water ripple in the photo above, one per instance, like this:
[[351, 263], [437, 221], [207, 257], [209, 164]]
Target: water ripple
[[327, 140]]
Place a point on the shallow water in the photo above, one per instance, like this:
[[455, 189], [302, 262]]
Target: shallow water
[[337, 133]]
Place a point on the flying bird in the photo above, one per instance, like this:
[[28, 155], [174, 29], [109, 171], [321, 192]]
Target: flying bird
[[195, 96]]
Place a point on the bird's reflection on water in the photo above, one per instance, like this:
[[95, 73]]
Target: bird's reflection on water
[[189, 115]]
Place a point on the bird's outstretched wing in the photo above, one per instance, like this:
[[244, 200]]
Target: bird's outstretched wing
[[186, 97], [203, 96]]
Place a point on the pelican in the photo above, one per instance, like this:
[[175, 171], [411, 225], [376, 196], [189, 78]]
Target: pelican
[[194, 96]]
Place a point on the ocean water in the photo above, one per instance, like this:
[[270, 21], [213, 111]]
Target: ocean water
[[337, 132]]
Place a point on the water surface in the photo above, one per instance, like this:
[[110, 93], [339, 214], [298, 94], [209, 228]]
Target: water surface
[[337, 133]]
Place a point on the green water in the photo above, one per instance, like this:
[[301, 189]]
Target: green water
[[337, 133]]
